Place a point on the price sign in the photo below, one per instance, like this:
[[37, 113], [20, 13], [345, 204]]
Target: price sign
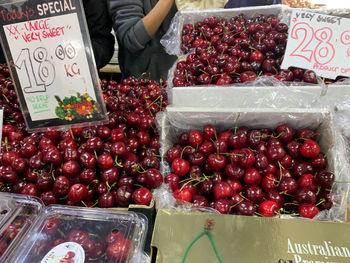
[[50, 56], [320, 43]]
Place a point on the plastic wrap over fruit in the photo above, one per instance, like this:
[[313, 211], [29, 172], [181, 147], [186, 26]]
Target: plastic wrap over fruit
[[176, 120], [342, 122], [166, 200], [172, 39]]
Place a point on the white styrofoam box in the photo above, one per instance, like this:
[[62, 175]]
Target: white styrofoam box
[[243, 96], [176, 120]]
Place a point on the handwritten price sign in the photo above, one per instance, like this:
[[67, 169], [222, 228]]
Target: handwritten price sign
[[51, 60], [319, 42]]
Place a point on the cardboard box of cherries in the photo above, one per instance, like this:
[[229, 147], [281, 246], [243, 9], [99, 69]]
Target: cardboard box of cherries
[[69, 234], [264, 162]]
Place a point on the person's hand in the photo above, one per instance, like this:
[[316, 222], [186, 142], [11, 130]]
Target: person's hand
[[154, 19]]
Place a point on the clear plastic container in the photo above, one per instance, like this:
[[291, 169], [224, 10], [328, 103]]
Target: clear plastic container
[[73, 234], [17, 214]]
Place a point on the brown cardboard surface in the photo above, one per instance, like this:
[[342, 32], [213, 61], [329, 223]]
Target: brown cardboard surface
[[249, 239]]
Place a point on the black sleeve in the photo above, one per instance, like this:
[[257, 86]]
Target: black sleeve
[[100, 28], [2, 56]]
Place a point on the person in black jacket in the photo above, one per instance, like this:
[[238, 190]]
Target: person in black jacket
[[100, 28]]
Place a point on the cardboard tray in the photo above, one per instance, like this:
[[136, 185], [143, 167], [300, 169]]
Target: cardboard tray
[[248, 239]]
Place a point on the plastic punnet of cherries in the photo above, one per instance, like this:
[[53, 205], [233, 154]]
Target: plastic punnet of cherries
[[99, 243], [251, 171], [236, 50], [109, 165]]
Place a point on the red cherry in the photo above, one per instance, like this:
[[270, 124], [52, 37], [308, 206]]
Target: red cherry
[[119, 250], [268, 208], [222, 190], [114, 236], [77, 193], [307, 181], [216, 162], [222, 205], [110, 175], [246, 208], [182, 195], [247, 158], [172, 180], [153, 178], [88, 160], [106, 200], [142, 196], [29, 189], [269, 182], [195, 138], [309, 149], [252, 176], [61, 185], [180, 166], [256, 56], [105, 161], [71, 168], [308, 210]]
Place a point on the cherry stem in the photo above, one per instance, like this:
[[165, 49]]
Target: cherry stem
[[243, 196], [83, 203], [285, 193], [281, 173], [64, 197], [322, 201], [182, 152], [6, 144], [7, 100], [108, 187], [258, 214], [153, 102], [236, 123], [192, 180], [233, 206], [254, 151], [342, 182], [138, 185], [71, 134], [291, 204], [96, 155], [51, 167], [318, 190]]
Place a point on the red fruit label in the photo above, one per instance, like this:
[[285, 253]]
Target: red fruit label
[[68, 252]]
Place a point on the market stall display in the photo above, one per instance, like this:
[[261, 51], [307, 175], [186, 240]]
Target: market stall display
[[106, 166]]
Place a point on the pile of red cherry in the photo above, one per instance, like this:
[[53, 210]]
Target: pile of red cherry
[[251, 171], [100, 245], [106, 166], [236, 50]]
